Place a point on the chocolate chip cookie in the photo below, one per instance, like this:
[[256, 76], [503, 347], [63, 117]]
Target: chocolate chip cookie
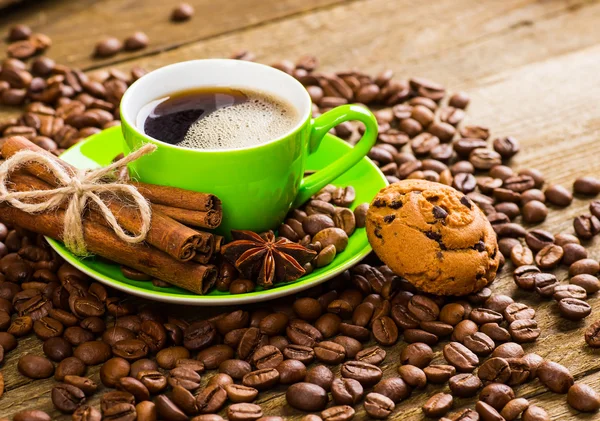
[[434, 236]]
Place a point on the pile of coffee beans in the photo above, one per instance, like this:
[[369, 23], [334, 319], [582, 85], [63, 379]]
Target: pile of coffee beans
[[166, 367], [324, 223]]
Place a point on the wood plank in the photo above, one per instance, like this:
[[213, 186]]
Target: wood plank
[[76, 26], [455, 42]]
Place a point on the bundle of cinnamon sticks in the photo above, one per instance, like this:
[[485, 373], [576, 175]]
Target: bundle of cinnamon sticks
[[176, 249]]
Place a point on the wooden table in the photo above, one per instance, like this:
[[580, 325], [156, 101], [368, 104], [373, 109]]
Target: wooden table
[[531, 68]]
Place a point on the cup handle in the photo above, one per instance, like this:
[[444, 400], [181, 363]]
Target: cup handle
[[320, 126]]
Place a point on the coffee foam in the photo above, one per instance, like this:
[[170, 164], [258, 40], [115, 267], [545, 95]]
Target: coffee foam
[[258, 120]]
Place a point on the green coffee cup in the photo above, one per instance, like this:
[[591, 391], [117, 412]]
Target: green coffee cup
[[257, 185]]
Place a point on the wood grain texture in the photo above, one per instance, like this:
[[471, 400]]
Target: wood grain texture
[[531, 69], [76, 26]]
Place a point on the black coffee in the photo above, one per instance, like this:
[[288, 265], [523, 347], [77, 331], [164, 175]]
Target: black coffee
[[217, 118]]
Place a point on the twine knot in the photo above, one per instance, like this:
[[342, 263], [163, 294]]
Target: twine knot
[[77, 187]]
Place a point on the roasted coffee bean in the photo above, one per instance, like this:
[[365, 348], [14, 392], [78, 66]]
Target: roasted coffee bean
[[574, 309], [137, 41], [514, 408], [549, 256], [588, 266], [87, 413], [291, 371], [419, 335], [569, 291], [394, 388], [524, 330], [67, 398], [439, 373], [494, 370], [184, 377], [167, 410], [532, 194], [373, 355], [423, 308], [143, 365], [572, 253], [135, 387], [498, 302], [330, 352], [69, 366], [93, 352], [497, 395], [47, 327], [555, 376], [413, 376], [487, 412], [538, 239], [35, 367], [366, 374], [154, 380], [130, 349], [463, 329], [452, 313], [244, 412], [115, 334], [534, 211], [184, 399], [302, 333], [237, 369], [465, 385], [509, 350], [583, 398], [298, 352], [535, 413], [199, 335], [558, 195], [521, 255], [307, 308], [167, 358], [267, 356], [592, 335], [589, 283], [306, 397], [328, 324], [417, 354], [57, 349], [261, 379], [211, 399], [113, 370], [589, 186], [485, 315], [438, 405], [518, 311], [214, 355], [273, 324], [338, 413], [108, 47], [479, 343], [220, 379], [495, 332], [320, 375], [460, 356], [346, 391], [385, 331], [378, 406]]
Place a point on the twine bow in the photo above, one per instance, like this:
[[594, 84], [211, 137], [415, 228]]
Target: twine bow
[[77, 187]]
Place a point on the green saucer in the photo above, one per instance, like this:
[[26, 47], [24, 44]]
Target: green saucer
[[365, 177]]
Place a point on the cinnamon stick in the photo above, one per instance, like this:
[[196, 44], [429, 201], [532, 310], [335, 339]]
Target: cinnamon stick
[[202, 210], [178, 198], [165, 233], [103, 242], [210, 219]]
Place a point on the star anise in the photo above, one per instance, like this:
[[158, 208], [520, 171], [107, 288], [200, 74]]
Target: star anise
[[265, 259]]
